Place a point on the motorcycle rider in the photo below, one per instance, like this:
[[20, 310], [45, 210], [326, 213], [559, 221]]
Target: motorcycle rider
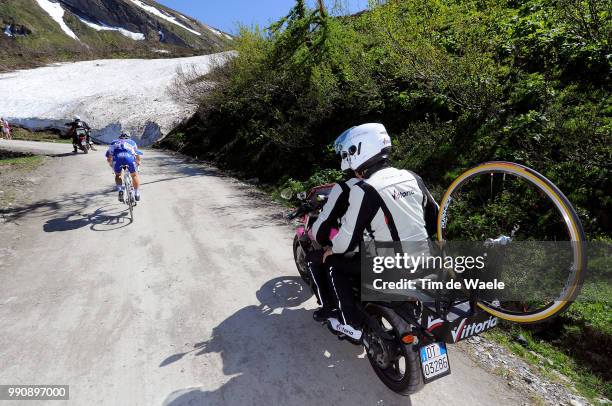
[[72, 131], [124, 151], [329, 218], [388, 204]]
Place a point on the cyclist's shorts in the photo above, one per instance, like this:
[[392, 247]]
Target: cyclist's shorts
[[127, 159]]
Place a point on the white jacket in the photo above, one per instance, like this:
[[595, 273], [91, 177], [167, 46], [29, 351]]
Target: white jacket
[[391, 205]]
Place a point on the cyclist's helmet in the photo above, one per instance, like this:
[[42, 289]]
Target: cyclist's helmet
[[77, 118], [364, 146], [124, 136]]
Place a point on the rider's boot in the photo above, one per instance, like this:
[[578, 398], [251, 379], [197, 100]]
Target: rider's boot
[[137, 195], [349, 331], [121, 196]]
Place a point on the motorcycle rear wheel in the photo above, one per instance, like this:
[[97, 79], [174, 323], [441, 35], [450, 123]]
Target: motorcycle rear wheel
[[410, 380]]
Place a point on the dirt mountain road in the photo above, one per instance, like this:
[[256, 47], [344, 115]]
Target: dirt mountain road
[[194, 303]]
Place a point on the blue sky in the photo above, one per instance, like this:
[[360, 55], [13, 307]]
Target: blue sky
[[227, 14]]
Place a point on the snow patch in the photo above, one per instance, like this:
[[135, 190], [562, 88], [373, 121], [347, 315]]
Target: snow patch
[[102, 27], [219, 33], [56, 12], [162, 15], [110, 95]]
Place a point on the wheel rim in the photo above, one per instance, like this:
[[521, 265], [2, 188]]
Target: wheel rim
[[572, 227], [397, 368]]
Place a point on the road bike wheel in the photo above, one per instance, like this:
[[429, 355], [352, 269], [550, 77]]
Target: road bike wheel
[[129, 196], [504, 198]]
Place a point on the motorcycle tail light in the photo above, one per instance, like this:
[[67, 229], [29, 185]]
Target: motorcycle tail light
[[409, 339]]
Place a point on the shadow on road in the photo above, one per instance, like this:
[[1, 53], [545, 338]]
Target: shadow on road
[[74, 212], [280, 356], [64, 224], [105, 218], [65, 154], [109, 218]]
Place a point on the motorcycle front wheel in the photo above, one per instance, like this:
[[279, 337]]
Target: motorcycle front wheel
[[400, 371], [299, 256]]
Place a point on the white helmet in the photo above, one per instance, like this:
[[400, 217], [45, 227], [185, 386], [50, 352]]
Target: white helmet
[[363, 146], [77, 118]]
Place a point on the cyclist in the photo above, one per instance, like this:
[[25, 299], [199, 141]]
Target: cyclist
[[388, 204], [124, 152], [72, 131], [329, 218]]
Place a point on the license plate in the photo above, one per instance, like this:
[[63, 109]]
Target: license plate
[[434, 361]]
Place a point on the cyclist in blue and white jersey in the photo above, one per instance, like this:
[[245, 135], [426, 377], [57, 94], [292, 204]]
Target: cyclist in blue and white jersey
[[124, 151]]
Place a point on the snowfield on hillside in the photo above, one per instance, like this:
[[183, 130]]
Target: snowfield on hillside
[[111, 95], [162, 15], [137, 36], [56, 12]]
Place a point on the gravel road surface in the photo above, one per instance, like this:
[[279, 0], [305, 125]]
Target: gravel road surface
[[196, 302]]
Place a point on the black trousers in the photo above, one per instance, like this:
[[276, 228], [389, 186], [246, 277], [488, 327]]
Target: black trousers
[[343, 274], [319, 284]]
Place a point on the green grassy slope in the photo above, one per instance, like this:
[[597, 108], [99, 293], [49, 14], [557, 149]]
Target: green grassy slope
[[48, 43]]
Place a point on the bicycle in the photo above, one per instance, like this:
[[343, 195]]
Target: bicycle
[[516, 203], [128, 188]]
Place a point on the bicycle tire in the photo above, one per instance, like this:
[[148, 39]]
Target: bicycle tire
[[572, 222], [127, 181]]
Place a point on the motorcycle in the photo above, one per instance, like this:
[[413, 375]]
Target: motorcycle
[[84, 141], [405, 342]]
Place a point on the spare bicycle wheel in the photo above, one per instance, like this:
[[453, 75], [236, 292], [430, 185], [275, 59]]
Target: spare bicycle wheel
[[498, 201]]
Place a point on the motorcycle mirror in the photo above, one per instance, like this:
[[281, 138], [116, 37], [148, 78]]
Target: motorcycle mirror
[[301, 196], [286, 193]]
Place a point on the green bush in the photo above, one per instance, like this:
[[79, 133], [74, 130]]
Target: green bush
[[320, 177], [456, 83]]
